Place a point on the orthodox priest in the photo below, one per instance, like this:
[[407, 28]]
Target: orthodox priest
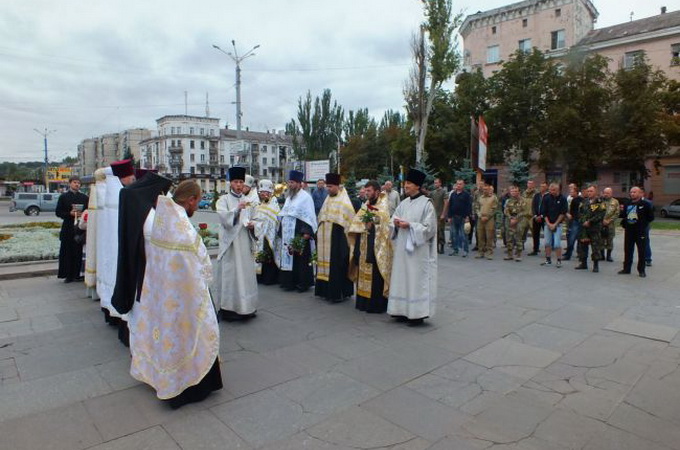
[[236, 283], [250, 191], [336, 214], [174, 335], [69, 208], [413, 283], [91, 240], [265, 218], [135, 220], [296, 232], [371, 251]]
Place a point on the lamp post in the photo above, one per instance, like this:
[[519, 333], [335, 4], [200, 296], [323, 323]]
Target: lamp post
[[237, 59], [44, 134], [337, 151]]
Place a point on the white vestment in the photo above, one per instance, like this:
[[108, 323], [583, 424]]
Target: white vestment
[[91, 240], [107, 246], [174, 336], [298, 207], [265, 216], [235, 281], [413, 285]]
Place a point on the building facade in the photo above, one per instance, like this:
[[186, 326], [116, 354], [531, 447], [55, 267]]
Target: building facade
[[103, 150]]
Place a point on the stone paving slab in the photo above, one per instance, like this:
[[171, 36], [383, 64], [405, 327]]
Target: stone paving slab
[[518, 357]]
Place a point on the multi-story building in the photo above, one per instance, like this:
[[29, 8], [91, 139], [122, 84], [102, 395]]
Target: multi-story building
[[552, 26], [266, 154], [103, 150]]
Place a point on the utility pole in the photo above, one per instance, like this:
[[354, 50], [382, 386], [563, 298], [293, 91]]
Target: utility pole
[[237, 59], [44, 134]]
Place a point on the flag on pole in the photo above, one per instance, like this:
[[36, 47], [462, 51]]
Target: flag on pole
[[483, 141]]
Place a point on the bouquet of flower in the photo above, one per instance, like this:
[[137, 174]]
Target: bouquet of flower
[[296, 245], [369, 215], [264, 257], [314, 259]]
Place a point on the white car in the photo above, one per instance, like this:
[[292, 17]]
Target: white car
[[671, 210]]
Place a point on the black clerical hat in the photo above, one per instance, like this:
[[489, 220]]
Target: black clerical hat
[[333, 178], [415, 176], [237, 173]]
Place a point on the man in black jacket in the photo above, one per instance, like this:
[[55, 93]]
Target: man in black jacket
[[69, 208], [636, 216], [537, 220]]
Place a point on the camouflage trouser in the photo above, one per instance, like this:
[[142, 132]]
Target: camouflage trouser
[[608, 235], [515, 238], [590, 237]]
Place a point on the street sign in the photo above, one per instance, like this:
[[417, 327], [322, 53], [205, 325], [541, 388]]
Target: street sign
[[315, 170]]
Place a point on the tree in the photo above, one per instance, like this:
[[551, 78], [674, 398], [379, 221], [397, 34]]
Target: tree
[[635, 119], [519, 172], [318, 126], [437, 61], [575, 123]]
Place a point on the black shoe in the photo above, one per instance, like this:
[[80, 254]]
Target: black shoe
[[648, 263], [623, 272], [582, 266], [302, 289], [80, 279], [400, 318], [609, 259], [532, 254], [415, 322], [643, 275], [68, 280], [596, 267]]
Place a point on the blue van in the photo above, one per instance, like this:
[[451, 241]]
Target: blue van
[[32, 204]]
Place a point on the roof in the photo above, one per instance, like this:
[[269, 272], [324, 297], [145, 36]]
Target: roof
[[514, 7], [256, 136], [635, 27]]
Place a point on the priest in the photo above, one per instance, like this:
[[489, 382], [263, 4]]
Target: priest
[[336, 214], [250, 191], [70, 206], [265, 218], [297, 225], [413, 283], [91, 240], [371, 251], [236, 283], [174, 335]]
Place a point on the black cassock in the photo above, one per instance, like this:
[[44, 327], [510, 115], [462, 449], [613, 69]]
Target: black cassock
[[70, 251], [377, 303], [338, 286], [302, 275], [270, 272]]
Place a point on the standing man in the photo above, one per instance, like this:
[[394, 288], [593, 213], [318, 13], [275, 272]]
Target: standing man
[[537, 222], [332, 276], [236, 283], [592, 212], [458, 209], [438, 196], [636, 217], [609, 222], [648, 250], [392, 196], [514, 211], [174, 335], [265, 217], [70, 206], [413, 283], [371, 251], [553, 211], [319, 195], [296, 230], [250, 191], [574, 201], [485, 210]]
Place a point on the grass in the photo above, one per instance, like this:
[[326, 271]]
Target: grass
[[666, 225], [49, 225]]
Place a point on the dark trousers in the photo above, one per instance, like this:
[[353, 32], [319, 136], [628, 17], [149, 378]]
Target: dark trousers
[[631, 239], [536, 234], [573, 231]]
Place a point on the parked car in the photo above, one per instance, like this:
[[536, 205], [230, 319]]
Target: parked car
[[671, 210], [204, 203], [32, 204]]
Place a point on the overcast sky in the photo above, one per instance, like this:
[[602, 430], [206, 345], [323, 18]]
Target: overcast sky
[[89, 68]]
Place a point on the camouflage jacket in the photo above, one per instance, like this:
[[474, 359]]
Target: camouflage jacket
[[515, 208], [612, 208], [592, 211]]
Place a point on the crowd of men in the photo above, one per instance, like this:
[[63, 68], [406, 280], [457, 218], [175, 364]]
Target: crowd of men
[[590, 219], [147, 265]]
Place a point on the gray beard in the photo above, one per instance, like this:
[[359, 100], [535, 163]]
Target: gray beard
[[291, 192]]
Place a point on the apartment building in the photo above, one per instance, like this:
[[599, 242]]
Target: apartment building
[[266, 154], [101, 151]]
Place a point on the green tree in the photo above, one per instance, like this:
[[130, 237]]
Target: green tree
[[318, 126], [519, 172], [636, 118]]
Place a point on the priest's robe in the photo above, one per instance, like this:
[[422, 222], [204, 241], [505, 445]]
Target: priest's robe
[[332, 278], [371, 251], [413, 283], [297, 217], [265, 218], [236, 284], [70, 251], [107, 247], [91, 240], [174, 335]]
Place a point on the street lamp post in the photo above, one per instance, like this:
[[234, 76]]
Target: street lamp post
[[337, 151], [44, 134], [237, 59]]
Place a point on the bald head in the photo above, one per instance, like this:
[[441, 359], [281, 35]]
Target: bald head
[[607, 193], [635, 193]]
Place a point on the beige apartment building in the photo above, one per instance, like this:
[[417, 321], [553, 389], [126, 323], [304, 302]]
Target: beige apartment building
[[103, 150]]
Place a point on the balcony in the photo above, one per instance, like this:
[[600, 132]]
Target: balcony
[[175, 149]]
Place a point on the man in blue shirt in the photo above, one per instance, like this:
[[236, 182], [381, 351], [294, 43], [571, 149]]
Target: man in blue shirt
[[458, 209], [319, 195]]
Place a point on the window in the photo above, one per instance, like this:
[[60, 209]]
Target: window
[[172, 130], [493, 54], [264, 161], [264, 172], [675, 55], [558, 12], [493, 30], [202, 145], [202, 131], [192, 144], [47, 197], [202, 158], [525, 22], [221, 159], [212, 132], [192, 170], [557, 40], [264, 149], [191, 130], [525, 45], [172, 143], [631, 58], [178, 130], [192, 157], [202, 169]]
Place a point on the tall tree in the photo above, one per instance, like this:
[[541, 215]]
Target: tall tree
[[435, 61], [318, 126]]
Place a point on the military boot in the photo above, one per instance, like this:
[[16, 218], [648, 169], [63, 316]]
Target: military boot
[[609, 256], [596, 266], [583, 265]]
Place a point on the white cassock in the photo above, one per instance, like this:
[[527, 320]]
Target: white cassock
[[92, 238], [107, 242], [413, 285], [235, 281]]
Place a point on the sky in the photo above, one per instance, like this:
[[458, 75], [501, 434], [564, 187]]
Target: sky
[[82, 69]]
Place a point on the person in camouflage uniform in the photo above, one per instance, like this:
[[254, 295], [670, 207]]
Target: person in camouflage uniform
[[515, 215], [591, 214], [609, 221]]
